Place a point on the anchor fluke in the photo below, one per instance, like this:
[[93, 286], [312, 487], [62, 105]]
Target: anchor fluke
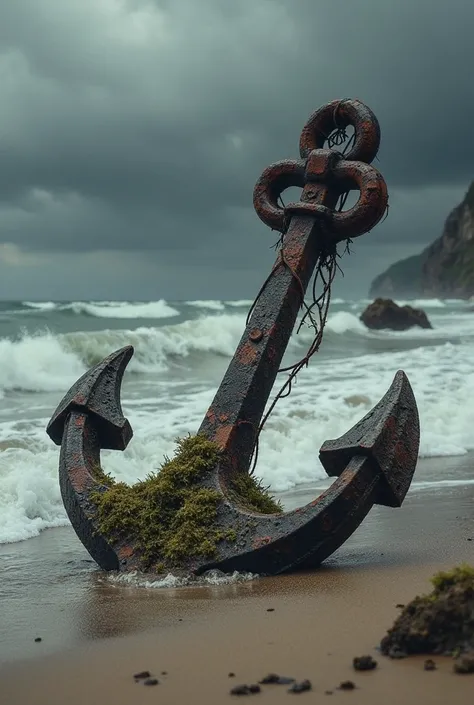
[[389, 435], [98, 393], [89, 418]]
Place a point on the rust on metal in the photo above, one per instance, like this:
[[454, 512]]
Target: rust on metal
[[256, 335], [374, 462]]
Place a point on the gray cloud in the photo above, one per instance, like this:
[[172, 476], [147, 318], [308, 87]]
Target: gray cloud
[[139, 129]]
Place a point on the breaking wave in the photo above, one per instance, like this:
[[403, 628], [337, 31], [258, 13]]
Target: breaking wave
[[45, 361], [108, 309], [168, 389]]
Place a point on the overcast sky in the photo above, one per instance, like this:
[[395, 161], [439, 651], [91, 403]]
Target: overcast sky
[[132, 133]]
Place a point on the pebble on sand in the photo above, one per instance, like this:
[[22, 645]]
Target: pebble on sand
[[300, 687], [364, 663]]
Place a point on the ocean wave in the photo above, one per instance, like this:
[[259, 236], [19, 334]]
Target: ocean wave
[[239, 303], [423, 303], [109, 309], [210, 304], [37, 363], [45, 361], [151, 309], [344, 321], [41, 305], [354, 370], [328, 400]]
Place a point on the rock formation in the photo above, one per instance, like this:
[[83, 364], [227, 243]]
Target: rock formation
[[445, 269], [386, 314], [441, 622]]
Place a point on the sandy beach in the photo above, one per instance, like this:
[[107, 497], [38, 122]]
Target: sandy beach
[[303, 626]]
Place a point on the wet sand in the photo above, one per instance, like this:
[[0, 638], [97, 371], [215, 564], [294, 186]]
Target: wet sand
[[95, 638], [319, 623]]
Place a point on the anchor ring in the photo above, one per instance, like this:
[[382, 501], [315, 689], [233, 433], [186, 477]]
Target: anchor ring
[[342, 114]]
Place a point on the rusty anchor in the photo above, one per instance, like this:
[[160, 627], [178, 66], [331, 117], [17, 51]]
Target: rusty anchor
[[373, 462]]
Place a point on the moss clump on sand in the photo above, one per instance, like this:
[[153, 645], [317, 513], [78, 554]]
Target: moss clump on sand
[[170, 516], [439, 623]]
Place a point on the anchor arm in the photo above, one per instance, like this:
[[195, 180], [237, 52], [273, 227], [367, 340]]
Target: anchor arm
[[306, 536], [89, 418], [374, 461], [78, 460]]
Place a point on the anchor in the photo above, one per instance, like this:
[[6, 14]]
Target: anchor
[[373, 462]]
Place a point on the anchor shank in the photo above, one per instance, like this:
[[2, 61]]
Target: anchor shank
[[236, 411]]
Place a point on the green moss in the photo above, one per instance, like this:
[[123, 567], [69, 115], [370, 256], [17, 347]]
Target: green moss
[[166, 515], [440, 622], [102, 477], [250, 494], [460, 576], [402, 278], [170, 516]]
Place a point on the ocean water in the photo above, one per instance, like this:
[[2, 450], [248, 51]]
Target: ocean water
[[181, 352]]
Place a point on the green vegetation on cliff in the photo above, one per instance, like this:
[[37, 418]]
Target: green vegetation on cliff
[[402, 278], [444, 269]]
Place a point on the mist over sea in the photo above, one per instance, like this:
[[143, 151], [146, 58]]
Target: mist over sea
[[181, 353]]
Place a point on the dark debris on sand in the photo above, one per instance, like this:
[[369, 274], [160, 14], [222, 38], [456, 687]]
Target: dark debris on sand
[[364, 663], [439, 623], [429, 665], [145, 678], [347, 685], [151, 681], [464, 664], [300, 686], [274, 678], [245, 689], [142, 675]]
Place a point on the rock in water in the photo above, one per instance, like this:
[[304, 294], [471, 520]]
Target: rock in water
[[386, 314], [439, 623]]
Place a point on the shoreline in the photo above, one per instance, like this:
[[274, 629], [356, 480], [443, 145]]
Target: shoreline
[[97, 634], [306, 626], [52, 588]]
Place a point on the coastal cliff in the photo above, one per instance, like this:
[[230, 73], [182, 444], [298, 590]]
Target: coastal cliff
[[445, 269]]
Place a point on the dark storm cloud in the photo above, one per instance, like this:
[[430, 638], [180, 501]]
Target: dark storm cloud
[[143, 125]]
